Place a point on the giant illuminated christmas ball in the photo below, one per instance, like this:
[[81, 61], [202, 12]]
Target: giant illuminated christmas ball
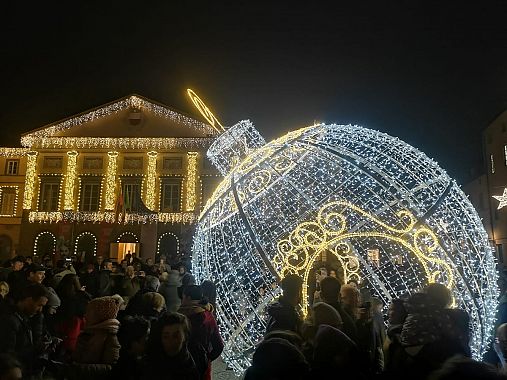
[[381, 210]]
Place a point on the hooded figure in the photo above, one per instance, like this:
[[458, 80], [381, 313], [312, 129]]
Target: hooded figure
[[98, 343]]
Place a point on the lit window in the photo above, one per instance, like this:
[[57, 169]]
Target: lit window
[[8, 202], [90, 194], [131, 197], [12, 167], [171, 196], [492, 161], [50, 192]]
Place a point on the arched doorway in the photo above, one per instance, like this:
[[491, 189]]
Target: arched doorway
[[86, 242], [5, 248], [169, 245], [126, 243], [44, 244]]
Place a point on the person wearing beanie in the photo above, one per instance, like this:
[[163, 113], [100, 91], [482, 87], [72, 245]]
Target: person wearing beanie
[[98, 342], [276, 358]]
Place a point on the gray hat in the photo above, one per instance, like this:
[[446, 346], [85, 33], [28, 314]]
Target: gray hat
[[53, 299]]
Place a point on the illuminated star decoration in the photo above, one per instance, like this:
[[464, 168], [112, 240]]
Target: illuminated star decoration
[[502, 199]]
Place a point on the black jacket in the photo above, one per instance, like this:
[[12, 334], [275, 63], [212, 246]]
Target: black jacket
[[17, 338], [283, 316]]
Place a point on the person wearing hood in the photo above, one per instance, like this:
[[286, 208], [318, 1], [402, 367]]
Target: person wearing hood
[[98, 342], [205, 342], [283, 314], [169, 284]]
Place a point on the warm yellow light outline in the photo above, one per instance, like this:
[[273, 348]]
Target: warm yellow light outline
[[70, 178], [205, 111], [309, 239]]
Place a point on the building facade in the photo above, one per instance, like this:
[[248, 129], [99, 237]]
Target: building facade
[[488, 192], [129, 176]]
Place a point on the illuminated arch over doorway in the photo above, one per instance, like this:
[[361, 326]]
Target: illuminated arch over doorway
[[124, 236], [86, 241], [164, 244], [44, 243]]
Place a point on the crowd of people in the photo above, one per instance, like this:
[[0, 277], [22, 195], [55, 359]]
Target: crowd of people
[[145, 320], [345, 335], [105, 320]]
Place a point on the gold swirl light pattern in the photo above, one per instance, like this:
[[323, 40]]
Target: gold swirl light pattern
[[330, 232]]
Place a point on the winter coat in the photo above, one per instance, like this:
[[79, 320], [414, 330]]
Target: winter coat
[[105, 286], [205, 343], [129, 287], [17, 338], [128, 367], [60, 275], [70, 319], [349, 326], [91, 282], [283, 316], [98, 344], [169, 290], [161, 366]]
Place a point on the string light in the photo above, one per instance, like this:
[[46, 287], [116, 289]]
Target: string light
[[168, 234], [70, 177], [110, 217], [123, 143], [36, 137], [36, 241], [205, 111], [31, 175], [14, 152], [345, 191], [110, 199], [150, 200], [84, 234], [191, 180], [127, 233], [502, 199]]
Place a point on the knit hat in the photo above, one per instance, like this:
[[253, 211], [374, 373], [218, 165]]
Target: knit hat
[[101, 309], [53, 299]]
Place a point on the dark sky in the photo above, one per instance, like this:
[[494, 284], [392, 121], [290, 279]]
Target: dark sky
[[432, 73]]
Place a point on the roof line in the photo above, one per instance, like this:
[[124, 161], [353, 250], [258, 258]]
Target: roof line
[[110, 103]]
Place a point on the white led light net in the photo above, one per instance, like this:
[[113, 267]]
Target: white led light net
[[388, 214]]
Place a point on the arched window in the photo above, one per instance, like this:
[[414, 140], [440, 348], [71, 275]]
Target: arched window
[[44, 244], [86, 242], [169, 245]]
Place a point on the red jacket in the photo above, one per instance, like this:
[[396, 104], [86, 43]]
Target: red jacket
[[205, 343]]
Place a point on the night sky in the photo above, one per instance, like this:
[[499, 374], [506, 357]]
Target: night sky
[[433, 74]]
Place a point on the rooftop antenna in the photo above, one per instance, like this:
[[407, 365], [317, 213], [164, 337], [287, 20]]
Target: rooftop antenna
[[205, 111]]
